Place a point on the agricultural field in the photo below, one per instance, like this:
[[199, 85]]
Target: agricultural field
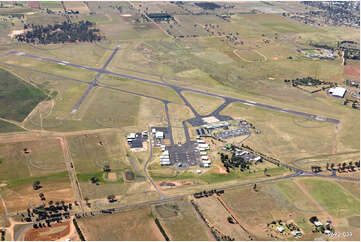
[[71, 106], [181, 222], [17, 97], [137, 224], [38, 160]]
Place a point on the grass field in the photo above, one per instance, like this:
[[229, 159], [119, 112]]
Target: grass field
[[6, 127], [184, 223], [332, 197], [44, 163], [45, 157], [177, 114], [131, 225], [17, 97], [203, 104]]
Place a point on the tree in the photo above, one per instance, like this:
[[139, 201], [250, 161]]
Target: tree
[[327, 167], [111, 198], [255, 187]]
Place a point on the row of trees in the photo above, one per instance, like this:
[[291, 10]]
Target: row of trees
[[82, 31], [343, 166]]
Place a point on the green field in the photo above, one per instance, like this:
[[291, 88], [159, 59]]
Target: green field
[[333, 198], [185, 224], [6, 127], [17, 98]]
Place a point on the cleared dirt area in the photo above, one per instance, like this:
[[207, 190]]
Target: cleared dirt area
[[55, 232], [131, 225]]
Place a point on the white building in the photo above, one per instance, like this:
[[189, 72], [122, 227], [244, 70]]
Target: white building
[[280, 229], [317, 223], [159, 135], [203, 153], [204, 157], [203, 146], [131, 136], [337, 91], [200, 141]]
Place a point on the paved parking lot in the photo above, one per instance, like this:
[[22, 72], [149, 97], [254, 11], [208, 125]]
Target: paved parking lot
[[226, 134], [184, 156]]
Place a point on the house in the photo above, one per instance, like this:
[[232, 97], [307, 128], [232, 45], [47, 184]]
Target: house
[[337, 91], [203, 146], [296, 233], [204, 157], [258, 158], [201, 141], [203, 153], [159, 135], [317, 223], [280, 229]]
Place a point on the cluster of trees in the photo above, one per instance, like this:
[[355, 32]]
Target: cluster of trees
[[36, 185], [342, 167], [111, 198], [306, 81], [322, 228], [234, 162], [355, 103], [82, 31]]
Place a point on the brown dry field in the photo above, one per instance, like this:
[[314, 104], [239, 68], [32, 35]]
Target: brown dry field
[[23, 195], [181, 222], [216, 214], [131, 225]]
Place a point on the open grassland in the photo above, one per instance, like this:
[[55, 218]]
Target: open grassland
[[42, 17], [181, 222], [352, 187], [53, 5], [177, 114], [45, 157], [289, 137], [135, 225], [76, 6], [17, 98], [6, 127], [217, 215], [91, 152], [44, 163], [141, 88], [20, 194], [89, 54], [332, 197], [110, 109], [121, 26], [203, 104]]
